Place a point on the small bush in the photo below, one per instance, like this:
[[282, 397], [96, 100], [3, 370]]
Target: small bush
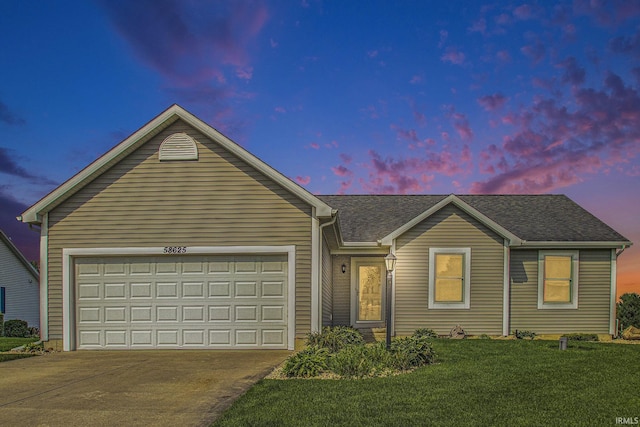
[[411, 352], [628, 310], [352, 362], [582, 337], [335, 338], [310, 362], [524, 334], [425, 332], [34, 332], [16, 329]]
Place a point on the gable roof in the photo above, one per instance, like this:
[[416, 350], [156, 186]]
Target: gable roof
[[524, 219], [27, 265], [144, 134]]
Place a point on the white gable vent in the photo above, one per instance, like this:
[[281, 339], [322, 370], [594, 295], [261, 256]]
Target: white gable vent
[[178, 146]]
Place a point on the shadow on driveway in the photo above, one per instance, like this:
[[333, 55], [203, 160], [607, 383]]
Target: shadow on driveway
[[105, 388]]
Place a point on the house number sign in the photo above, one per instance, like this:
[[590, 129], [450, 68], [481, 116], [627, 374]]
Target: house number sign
[[175, 249]]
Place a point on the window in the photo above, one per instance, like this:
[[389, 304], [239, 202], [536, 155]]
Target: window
[[2, 299], [449, 277], [558, 279]]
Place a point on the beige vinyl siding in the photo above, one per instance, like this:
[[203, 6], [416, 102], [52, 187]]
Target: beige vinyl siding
[[327, 285], [594, 288], [449, 227], [217, 200], [341, 291]]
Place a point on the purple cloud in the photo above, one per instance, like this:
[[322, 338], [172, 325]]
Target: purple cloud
[[8, 117], [574, 74], [454, 56], [190, 44], [492, 102], [556, 146], [9, 166]]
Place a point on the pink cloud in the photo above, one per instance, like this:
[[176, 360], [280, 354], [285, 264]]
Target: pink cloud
[[523, 12], [303, 180], [492, 102], [372, 54], [574, 74], [535, 51], [314, 145], [341, 170], [461, 125], [444, 34], [346, 159], [245, 73], [480, 26], [503, 56], [416, 79], [409, 175], [556, 146], [453, 56], [280, 110]]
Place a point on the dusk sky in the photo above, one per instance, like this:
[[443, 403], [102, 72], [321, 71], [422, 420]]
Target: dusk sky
[[348, 97]]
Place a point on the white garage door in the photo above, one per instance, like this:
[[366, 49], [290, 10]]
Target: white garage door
[[181, 302]]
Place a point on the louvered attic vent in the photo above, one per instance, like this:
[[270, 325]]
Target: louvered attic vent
[[178, 146]]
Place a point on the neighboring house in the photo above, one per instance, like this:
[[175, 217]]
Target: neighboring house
[[180, 238], [19, 285]]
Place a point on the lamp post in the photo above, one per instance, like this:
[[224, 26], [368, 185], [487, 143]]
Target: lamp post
[[390, 262]]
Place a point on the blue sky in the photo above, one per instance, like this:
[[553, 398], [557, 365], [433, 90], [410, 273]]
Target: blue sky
[[342, 97]]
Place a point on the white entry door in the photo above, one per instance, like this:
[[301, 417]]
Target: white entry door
[[368, 292]]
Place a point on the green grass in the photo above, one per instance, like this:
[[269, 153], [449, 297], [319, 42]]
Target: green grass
[[7, 344], [475, 382]]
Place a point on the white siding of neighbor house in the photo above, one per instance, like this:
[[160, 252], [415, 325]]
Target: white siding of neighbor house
[[594, 294], [449, 227], [22, 290], [217, 200]]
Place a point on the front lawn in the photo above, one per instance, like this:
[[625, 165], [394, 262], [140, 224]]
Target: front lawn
[[7, 344], [475, 382]]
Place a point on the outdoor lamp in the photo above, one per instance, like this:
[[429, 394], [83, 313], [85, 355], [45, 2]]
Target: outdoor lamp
[[390, 262]]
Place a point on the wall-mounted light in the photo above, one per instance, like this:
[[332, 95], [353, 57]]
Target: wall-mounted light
[[344, 268]]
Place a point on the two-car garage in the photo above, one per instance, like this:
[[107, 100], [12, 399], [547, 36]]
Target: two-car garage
[[179, 300]]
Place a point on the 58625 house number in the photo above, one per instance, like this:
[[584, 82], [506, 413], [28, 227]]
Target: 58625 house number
[[175, 249]]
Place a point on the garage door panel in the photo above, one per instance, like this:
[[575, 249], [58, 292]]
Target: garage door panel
[[182, 301]]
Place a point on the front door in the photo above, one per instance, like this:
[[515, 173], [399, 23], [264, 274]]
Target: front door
[[368, 293]]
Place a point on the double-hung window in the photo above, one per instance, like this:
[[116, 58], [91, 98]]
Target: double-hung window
[[558, 279], [449, 277]]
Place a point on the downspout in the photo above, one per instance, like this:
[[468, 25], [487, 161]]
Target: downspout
[[614, 290], [318, 323]]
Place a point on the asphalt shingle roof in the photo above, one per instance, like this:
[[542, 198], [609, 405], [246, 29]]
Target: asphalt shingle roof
[[367, 218]]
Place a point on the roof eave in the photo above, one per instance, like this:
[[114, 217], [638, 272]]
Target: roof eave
[[574, 244]]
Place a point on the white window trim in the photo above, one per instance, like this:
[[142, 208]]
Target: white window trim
[[466, 281], [575, 259]]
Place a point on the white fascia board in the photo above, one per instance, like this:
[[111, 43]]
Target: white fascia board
[[452, 198], [33, 214], [582, 245]]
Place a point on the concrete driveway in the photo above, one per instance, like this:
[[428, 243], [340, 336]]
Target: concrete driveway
[[133, 388]]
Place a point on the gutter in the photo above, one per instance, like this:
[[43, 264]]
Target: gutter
[[316, 323]]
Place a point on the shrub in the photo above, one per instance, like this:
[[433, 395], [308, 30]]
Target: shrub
[[335, 338], [310, 362], [1, 324], [411, 352], [34, 332], [425, 332], [16, 329], [352, 362], [628, 310], [524, 334], [581, 337]]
